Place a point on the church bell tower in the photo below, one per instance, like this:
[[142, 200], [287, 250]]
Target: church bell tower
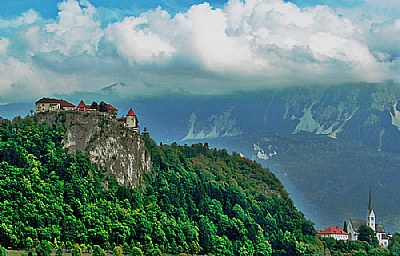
[[371, 214]]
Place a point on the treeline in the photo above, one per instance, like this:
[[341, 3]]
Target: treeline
[[197, 200]]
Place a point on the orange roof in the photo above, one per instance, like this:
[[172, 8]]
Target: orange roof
[[332, 230], [131, 113]]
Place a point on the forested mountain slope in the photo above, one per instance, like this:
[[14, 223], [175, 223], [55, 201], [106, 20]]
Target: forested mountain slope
[[195, 200]]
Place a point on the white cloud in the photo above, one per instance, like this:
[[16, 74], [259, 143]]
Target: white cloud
[[385, 40], [27, 18], [245, 45], [77, 30], [138, 45], [19, 78], [4, 43]]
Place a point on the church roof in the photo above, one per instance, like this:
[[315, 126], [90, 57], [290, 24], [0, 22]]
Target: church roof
[[356, 224], [332, 230], [370, 202], [131, 113], [379, 228]]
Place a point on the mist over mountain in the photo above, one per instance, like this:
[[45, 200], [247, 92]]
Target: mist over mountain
[[328, 145]]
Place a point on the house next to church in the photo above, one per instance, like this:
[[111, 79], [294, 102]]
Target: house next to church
[[354, 226], [334, 232]]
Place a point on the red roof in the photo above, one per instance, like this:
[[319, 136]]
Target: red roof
[[332, 230], [111, 107], [65, 104], [81, 104], [131, 113]]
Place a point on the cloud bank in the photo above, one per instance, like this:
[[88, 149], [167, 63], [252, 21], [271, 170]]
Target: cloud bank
[[204, 50]]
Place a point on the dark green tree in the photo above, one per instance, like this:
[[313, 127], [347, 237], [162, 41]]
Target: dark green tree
[[136, 251], [44, 248], [97, 251], [394, 245], [76, 250], [59, 251], [368, 235], [3, 251]]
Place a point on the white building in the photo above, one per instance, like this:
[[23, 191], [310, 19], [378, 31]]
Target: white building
[[354, 226], [48, 104], [334, 232]]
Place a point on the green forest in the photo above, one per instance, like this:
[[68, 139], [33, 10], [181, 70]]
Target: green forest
[[196, 200]]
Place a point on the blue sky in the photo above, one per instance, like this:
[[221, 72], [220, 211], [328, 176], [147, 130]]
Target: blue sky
[[48, 8], [50, 47]]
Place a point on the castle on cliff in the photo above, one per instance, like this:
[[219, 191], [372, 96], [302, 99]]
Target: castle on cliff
[[50, 104]]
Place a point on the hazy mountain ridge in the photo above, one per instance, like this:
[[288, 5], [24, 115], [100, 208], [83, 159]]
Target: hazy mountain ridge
[[218, 125], [277, 126]]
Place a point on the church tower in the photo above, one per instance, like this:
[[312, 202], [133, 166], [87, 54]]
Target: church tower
[[371, 214]]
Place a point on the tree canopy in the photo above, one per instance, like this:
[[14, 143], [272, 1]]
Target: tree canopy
[[196, 200]]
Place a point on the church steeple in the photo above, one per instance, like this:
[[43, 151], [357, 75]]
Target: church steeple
[[370, 201], [371, 214]]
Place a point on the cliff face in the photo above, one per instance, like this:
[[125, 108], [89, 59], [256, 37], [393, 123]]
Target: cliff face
[[108, 143]]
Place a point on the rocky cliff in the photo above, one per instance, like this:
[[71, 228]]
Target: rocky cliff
[[108, 143]]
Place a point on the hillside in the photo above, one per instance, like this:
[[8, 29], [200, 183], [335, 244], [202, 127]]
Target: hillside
[[342, 138], [195, 200]]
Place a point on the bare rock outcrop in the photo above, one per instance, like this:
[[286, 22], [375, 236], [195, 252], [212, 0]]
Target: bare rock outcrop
[[108, 143]]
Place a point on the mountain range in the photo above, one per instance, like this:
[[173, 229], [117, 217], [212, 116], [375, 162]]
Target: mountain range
[[328, 145]]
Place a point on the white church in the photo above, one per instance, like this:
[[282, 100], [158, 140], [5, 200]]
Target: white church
[[354, 225]]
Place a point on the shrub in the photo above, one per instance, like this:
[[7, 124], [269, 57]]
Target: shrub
[[136, 251], [97, 251], [76, 250], [3, 251], [44, 248], [117, 251]]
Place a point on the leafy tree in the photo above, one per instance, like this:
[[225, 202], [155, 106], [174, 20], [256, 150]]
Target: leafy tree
[[3, 251], [94, 105], [59, 251], [394, 245], [379, 252], [368, 235], [97, 251], [44, 248], [197, 200], [117, 251], [76, 250], [136, 251], [360, 253]]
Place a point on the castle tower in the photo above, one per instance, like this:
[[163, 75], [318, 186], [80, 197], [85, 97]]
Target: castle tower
[[132, 121], [371, 214]]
